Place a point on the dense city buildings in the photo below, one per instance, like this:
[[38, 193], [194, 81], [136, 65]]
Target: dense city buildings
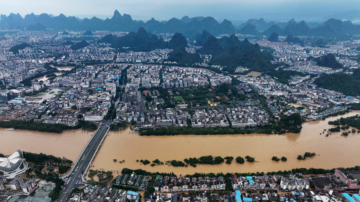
[[178, 77]]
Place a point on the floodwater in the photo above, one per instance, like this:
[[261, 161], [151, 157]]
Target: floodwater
[[333, 151], [59, 73], [68, 144], [43, 78], [252, 73], [65, 68]]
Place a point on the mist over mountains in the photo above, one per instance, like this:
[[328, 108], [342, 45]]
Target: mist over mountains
[[189, 27]]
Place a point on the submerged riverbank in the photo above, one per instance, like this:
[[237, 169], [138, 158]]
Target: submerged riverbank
[[332, 151]]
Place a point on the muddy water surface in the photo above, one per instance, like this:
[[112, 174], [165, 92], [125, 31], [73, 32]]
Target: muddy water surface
[[252, 73], [64, 68], [332, 151], [43, 78], [68, 144]]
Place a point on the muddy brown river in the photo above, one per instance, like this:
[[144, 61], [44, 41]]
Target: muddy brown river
[[68, 144], [332, 151]]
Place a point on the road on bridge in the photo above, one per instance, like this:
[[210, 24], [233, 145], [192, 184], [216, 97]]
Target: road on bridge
[[74, 179]]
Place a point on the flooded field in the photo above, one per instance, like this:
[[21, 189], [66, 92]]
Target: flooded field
[[68, 144], [332, 151]]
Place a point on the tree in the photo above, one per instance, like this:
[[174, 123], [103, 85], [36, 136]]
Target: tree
[[188, 121], [148, 98], [283, 158], [74, 107], [250, 159], [145, 162], [151, 189], [341, 82], [274, 158], [240, 160], [229, 159]]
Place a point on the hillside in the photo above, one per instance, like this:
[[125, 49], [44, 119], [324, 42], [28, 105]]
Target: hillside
[[293, 39], [182, 57], [248, 29], [272, 29], [212, 47], [15, 49], [274, 37], [236, 56], [107, 39], [79, 45], [300, 28], [227, 42], [202, 38], [283, 76], [141, 41], [178, 40], [36, 27], [344, 83], [68, 43], [328, 60], [260, 24]]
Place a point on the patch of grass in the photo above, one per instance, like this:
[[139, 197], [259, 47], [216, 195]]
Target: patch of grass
[[37, 95], [178, 98]]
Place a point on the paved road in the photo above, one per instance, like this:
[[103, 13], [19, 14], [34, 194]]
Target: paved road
[[74, 180]]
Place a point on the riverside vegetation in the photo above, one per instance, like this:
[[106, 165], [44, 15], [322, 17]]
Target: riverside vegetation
[[345, 123], [203, 160], [40, 161], [306, 155], [290, 123], [51, 128]]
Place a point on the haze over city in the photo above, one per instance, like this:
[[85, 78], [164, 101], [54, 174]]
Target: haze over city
[[234, 10]]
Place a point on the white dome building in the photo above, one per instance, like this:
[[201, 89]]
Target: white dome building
[[13, 165]]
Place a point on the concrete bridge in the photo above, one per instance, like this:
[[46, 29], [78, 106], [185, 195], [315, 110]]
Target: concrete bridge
[[76, 177]]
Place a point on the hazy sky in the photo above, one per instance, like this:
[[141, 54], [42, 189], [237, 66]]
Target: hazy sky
[[164, 9]]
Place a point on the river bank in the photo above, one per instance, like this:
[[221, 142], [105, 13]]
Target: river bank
[[332, 151]]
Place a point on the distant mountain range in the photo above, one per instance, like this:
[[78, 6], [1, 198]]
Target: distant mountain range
[[228, 52], [189, 27], [143, 41], [353, 15], [261, 25]]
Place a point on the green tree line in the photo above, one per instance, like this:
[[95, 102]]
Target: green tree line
[[43, 127]]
